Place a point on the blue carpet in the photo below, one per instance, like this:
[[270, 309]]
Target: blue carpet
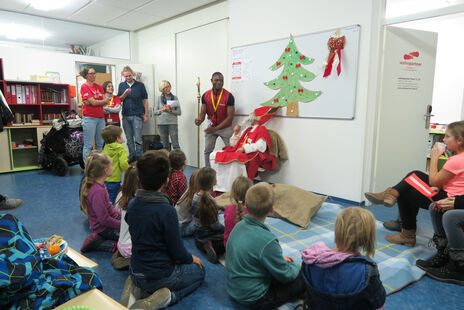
[[51, 206]]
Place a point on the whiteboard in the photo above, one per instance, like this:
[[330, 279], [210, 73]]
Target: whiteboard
[[250, 68]]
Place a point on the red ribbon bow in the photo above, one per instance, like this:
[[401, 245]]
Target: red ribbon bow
[[287, 49], [334, 45], [276, 100], [300, 90], [302, 57], [278, 63], [285, 77], [298, 65]]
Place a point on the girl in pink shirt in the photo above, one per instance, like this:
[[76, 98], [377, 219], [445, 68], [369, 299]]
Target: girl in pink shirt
[[447, 182], [234, 213], [104, 220]]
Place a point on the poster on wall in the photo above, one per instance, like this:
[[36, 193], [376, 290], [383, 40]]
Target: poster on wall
[[312, 75]]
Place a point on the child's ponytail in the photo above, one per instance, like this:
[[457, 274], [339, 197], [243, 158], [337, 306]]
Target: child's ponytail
[[239, 189], [207, 212]]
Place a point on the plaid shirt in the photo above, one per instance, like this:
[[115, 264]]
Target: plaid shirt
[[177, 185]]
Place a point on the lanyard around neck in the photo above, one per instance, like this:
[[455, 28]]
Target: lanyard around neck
[[216, 105]]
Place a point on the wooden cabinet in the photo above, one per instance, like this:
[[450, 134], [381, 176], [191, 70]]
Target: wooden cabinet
[[34, 106]]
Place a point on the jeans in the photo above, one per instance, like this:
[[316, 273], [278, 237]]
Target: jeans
[[92, 127], [133, 126], [183, 280], [187, 229], [172, 131], [112, 188], [210, 141], [449, 224]]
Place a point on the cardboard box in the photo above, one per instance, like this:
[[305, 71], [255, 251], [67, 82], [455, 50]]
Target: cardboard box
[[80, 259], [95, 299]]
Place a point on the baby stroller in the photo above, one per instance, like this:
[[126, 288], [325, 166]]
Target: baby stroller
[[62, 145]]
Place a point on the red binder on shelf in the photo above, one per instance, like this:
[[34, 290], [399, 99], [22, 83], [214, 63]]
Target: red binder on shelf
[[13, 94], [8, 94]]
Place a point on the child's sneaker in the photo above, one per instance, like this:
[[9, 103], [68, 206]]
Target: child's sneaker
[[210, 252], [91, 242], [158, 300]]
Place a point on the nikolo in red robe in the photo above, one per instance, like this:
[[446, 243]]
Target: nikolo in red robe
[[252, 160]]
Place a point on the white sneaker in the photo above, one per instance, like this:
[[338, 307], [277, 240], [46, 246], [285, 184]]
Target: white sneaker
[[10, 203], [158, 300]]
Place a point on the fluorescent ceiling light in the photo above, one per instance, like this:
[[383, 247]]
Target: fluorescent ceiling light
[[47, 5], [13, 32], [397, 8]]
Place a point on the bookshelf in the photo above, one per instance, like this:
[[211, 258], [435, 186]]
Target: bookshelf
[[34, 106]]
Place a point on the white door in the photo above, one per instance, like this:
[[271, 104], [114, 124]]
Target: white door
[[199, 53], [145, 74], [406, 92]]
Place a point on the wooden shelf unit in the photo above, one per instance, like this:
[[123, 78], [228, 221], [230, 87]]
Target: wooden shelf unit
[[34, 106]]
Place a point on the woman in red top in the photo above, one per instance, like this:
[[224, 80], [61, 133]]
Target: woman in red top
[[114, 105], [93, 122]]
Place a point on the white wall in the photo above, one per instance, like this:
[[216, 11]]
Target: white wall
[[19, 63], [326, 156], [448, 88], [115, 47]]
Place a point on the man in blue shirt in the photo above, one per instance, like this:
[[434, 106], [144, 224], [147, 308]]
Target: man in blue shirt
[[134, 97]]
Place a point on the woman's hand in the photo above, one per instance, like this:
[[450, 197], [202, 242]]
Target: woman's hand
[[289, 259], [445, 204]]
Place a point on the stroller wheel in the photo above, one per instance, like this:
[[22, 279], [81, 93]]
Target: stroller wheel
[[60, 166]]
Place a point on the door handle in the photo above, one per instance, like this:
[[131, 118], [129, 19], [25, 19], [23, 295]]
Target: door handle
[[428, 114]]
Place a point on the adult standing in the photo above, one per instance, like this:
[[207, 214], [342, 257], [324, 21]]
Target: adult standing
[[93, 122], [167, 110], [219, 105], [134, 97]]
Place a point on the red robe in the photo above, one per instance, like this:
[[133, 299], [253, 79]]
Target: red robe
[[252, 160]]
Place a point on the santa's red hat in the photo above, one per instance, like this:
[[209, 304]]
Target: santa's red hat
[[263, 114]]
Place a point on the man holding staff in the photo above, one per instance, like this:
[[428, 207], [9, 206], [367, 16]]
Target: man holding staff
[[219, 105]]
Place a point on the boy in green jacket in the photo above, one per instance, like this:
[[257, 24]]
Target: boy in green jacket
[[112, 135], [258, 275]]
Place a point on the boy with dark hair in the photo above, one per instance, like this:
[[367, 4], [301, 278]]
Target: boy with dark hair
[[160, 265], [258, 275], [177, 180], [112, 135]]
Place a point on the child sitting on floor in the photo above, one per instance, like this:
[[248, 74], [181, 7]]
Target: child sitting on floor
[[234, 213], [121, 257], [341, 278], [184, 207], [160, 264], [177, 180], [258, 275], [95, 203], [209, 233], [112, 135]]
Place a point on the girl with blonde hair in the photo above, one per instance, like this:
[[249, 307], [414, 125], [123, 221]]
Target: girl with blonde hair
[[104, 219], [234, 213], [167, 109], [342, 277]]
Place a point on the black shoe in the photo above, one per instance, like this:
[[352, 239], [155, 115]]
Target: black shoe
[[210, 252], [394, 225], [438, 260], [450, 273]]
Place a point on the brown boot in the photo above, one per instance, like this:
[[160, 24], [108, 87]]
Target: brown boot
[[387, 197], [406, 237]]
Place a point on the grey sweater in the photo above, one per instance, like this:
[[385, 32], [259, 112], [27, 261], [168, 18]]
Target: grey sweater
[[166, 118]]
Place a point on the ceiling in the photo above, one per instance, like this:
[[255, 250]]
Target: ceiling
[[128, 15]]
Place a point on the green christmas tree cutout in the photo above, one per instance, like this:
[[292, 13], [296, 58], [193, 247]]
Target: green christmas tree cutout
[[288, 82]]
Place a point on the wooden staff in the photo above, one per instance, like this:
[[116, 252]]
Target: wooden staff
[[198, 127]]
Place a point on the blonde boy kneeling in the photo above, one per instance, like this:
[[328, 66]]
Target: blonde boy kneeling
[[258, 275]]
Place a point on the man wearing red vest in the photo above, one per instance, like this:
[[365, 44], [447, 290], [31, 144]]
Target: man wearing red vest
[[219, 105]]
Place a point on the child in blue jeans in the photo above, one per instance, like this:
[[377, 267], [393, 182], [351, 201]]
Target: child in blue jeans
[[342, 278], [160, 264]]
